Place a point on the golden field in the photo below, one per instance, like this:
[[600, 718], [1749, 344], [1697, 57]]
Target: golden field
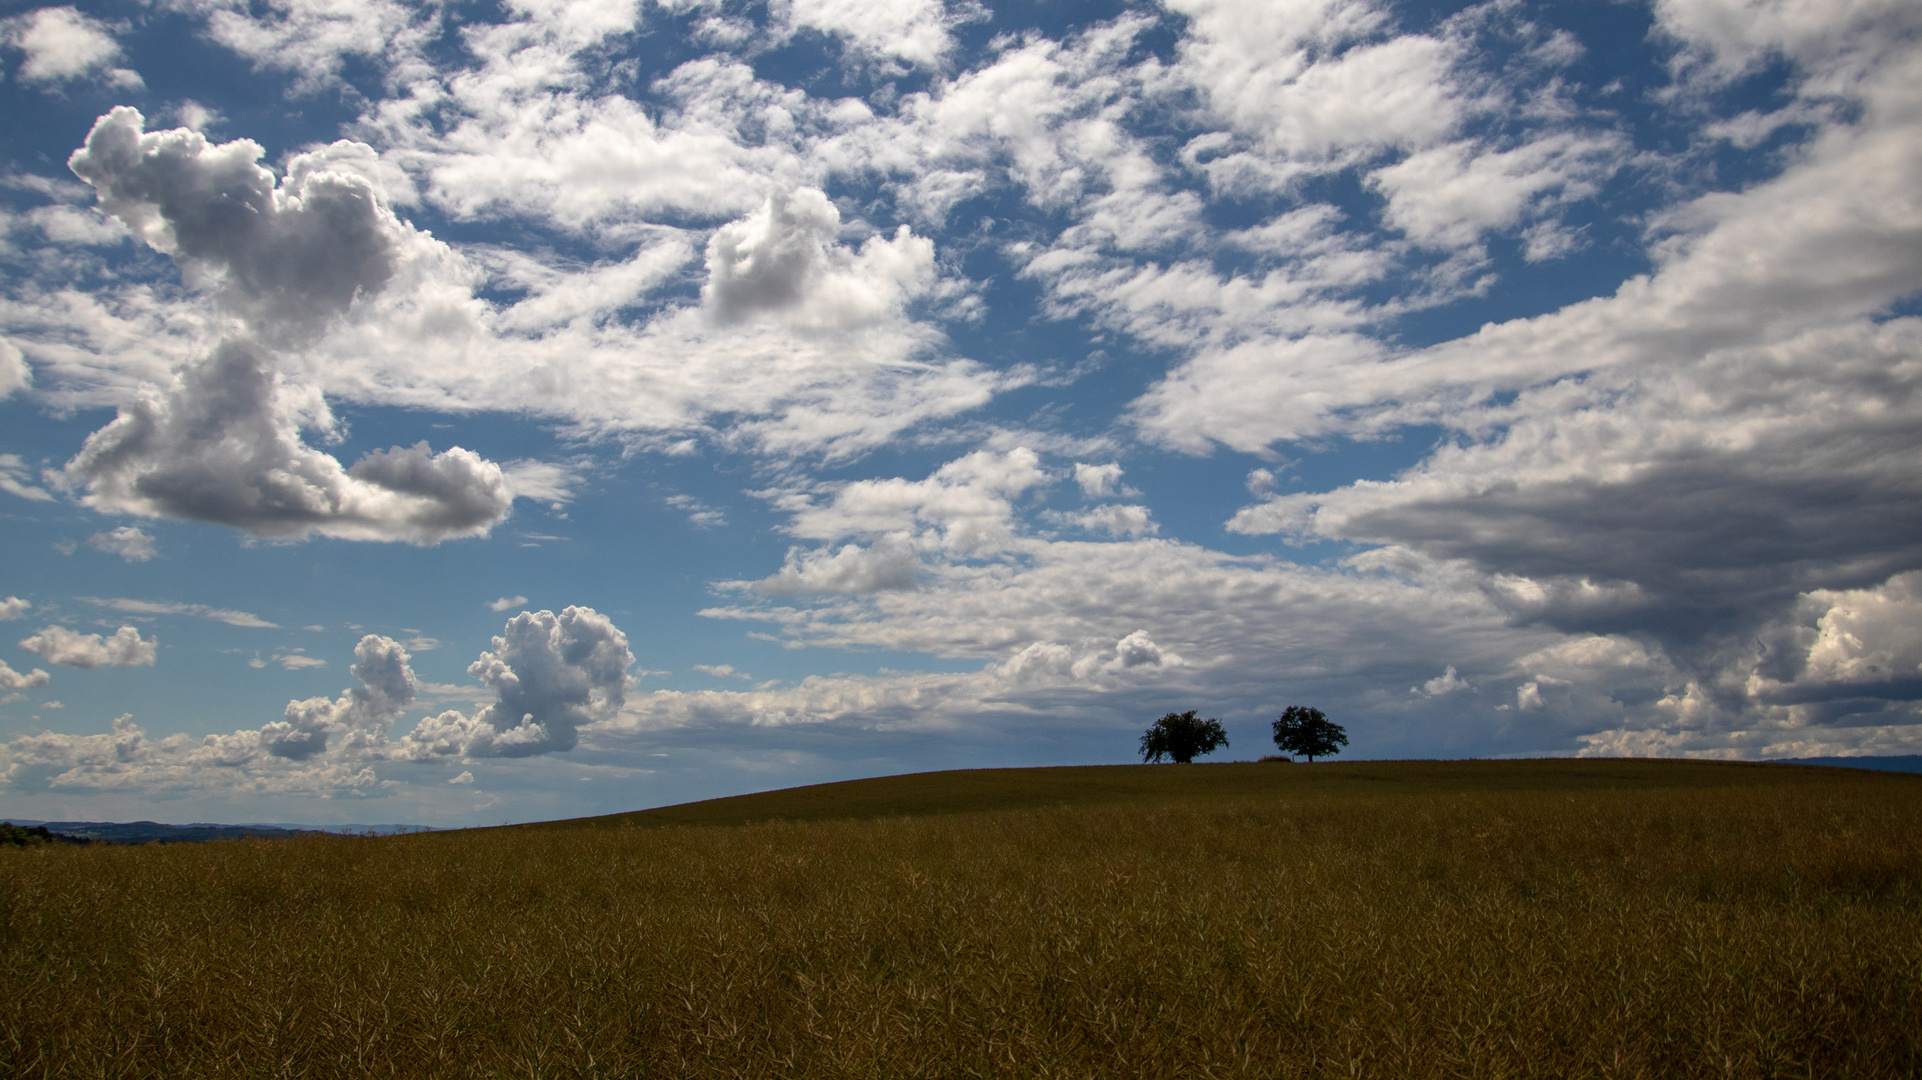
[[1393, 919]]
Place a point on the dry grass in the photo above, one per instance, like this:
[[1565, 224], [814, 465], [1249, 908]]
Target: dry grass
[[1731, 922]]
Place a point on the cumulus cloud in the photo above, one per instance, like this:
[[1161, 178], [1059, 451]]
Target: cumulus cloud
[[551, 674], [286, 255], [289, 258], [1446, 683], [1097, 481], [783, 260], [223, 445], [63, 646], [13, 680], [61, 44], [12, 607], [506, 602], [889, 563], [360, 717], [127, 542]]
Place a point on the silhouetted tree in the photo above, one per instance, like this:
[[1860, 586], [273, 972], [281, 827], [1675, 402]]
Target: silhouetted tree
[[1181, 736], [1308, 732]]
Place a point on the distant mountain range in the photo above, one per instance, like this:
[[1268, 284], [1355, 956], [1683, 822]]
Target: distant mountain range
[[141, 832]]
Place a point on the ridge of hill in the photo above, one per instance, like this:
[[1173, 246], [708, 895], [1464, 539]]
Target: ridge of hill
[[970, 790]]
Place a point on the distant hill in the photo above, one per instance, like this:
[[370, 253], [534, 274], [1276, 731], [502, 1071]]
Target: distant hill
[[971, 790], [1904, 763], [141, 832]]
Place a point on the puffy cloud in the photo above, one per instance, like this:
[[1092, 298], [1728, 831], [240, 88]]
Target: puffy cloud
[[287, 256], [1097, 481], [13, 680], [63, 646], [550, 674], [1448, 196], [127, 759], [965, 505], [360, 717], [506, 602], [887, 564], [62, 44], [913, 30], [12, 607], [1445, 683], [783, 260], [127, 542], [224, 445]]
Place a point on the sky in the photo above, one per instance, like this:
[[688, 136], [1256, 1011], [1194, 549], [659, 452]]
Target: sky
[[504, 410]]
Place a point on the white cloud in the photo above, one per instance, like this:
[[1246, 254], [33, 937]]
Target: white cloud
[[913, 30], [12, 607], [163, 607], [698, 513], [63, 646], [889, 563], [127, 542], [550, 674], [965, 505], [1315, 84], [14, 477], [1445, 683], [361, 715], [506, 602], [1097, 481], [223, 445], [1115, 519], [1450, 195], [290, 258], [1528, 697], [61, 44], [296, 661], [783, 260], [13, 680], [465, 777], [315, 38], [14, 375]]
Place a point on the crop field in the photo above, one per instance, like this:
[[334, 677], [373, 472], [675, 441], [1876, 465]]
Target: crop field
[[1412, 919]]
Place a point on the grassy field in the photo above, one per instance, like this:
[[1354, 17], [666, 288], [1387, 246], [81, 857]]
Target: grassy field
[[1487, 919]]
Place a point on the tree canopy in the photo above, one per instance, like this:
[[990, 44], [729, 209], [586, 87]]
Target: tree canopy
[[1309, 732], [1181, 736]]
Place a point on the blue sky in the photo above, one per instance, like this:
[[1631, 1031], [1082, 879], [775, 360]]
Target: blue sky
[[465, 412]]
